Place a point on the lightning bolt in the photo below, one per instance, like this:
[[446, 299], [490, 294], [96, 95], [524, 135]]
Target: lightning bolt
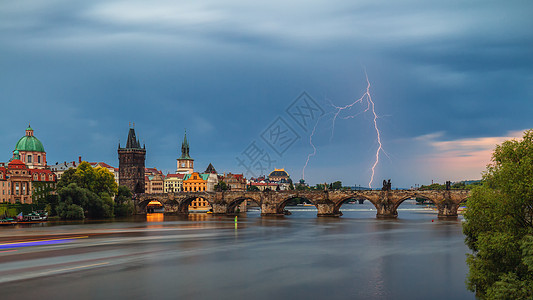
[[312, 145], [378, 134], [366, 97]]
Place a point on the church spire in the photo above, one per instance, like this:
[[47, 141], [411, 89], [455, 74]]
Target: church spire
[[185, 147]]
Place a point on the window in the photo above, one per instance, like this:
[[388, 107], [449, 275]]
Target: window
[[29, 158], [38, 159]]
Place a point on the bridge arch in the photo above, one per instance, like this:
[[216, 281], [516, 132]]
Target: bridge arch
[[233, 204], [143, 205], [184, 202], [338, 204], [280, 207], [401, 200]]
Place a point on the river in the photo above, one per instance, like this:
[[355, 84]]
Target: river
[[202, 256]]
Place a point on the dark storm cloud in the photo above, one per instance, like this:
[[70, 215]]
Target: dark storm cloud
[[226, 69]]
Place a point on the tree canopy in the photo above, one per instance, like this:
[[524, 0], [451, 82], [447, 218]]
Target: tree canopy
[[97, 180], [499, 224], [221, 186], [87, 191]]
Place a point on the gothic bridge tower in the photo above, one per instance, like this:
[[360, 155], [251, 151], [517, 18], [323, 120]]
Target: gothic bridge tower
[[131, 164]]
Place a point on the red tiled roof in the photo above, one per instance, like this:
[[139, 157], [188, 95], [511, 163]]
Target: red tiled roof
[[263, 183], [152, 170], [176, 175], [40, 171], [16, 164], [102, 164]]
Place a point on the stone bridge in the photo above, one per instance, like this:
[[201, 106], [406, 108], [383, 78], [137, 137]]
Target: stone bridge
[[327, 202]]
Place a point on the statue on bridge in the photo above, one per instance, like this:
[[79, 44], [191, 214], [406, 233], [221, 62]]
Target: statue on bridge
[[387, 186]]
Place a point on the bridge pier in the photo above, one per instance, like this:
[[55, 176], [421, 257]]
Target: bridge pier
[[270, 209], [386, 208], [219, 208], [386, 211], [447, 210], [327, 209]]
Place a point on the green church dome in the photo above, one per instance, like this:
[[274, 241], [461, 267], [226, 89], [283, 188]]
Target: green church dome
[[29, 142]]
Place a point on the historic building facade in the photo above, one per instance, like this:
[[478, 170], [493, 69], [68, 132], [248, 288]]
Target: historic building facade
[[26, 175], [131, 164], [154, 184], [279, 175], [197, 182], [174, 183], [235, 182]]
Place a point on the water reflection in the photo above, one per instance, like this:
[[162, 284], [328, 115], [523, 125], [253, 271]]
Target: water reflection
[[198, 217], [155, 217]]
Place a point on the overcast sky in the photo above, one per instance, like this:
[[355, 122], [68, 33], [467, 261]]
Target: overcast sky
[[449, 80]]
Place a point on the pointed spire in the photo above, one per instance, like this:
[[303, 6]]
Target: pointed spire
[[185, 147], [132, 140], [185, 142]]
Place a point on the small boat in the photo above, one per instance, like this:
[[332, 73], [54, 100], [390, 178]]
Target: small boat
[[35, 216], [8, 221]]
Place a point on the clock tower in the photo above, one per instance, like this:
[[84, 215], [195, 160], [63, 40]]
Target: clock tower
[[185, 162]]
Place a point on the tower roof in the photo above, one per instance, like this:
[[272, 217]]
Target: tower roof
[[210, 169], [185, 148], [133, 142], [279, 173], [29, 142]]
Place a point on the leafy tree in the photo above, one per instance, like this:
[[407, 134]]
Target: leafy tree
[[337, 185], [95, 206], [433, 186], [291, 187], [100, 206], [90, 188], [302, 187], [252, 188], [459, 186], [319, 187], [499, 224], [123, 202], [123, 195], [97, 180], [70, 211], [221, 186], [104, 182], [73, 194]]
